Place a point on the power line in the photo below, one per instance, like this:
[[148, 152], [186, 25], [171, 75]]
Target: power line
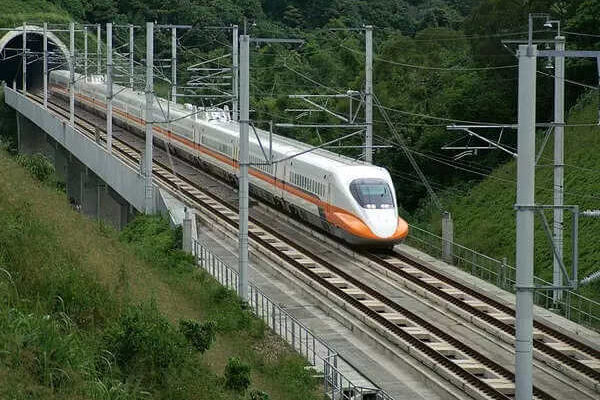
[[490, 176], [581, 34], [489, 169], [468, 37], [424, 67], [471, 164], [411, 159], [450, 38], [568, 80], [426, 116], [310, 79], [450, 69]]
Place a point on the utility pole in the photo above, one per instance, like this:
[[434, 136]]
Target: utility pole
[[109, 87], [559, 110], [447, 237], [187, 244], [236, 72], [85, 51], [174, 64], [244, 159], [72, 74], [45, 66], [131, 48], [149, 195], [24, 57], [525, 218], [99, 48], [369, 94]]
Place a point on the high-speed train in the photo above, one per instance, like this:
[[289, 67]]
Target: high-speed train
[[346, 198]]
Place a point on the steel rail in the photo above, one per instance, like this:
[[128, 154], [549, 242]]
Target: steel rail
[[435, 355], [507, 328]]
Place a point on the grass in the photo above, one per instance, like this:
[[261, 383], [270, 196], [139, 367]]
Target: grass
[[8, 123], [15, 12], [86, 312], [485, 219]]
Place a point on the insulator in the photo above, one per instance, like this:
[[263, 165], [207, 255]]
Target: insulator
[[590, 278], [591, 213]]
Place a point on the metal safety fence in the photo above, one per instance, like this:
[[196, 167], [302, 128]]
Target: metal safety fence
[[320, 355], [573, 306]]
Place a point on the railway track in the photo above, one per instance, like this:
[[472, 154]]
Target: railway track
[[461, 365], [574, 358]]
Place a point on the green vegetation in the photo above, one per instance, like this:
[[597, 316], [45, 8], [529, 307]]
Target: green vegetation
[[258, 395], [237, 375], [485, 220], [92, 315], [15, 12], [201, 336], [434, 58], [39, 166], [441, 58], [8, 131]]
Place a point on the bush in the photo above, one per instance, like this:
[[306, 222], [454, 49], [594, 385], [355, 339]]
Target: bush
[[5, 144], [237, 375], [201, 336], [258, 395], [37, 165], [143, 340], [157, 243]]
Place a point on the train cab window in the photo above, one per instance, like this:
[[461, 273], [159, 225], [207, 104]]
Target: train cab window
[[372, 193]]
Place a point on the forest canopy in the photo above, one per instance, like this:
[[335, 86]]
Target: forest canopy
[[437, 62]]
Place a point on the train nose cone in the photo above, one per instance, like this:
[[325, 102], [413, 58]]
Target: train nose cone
[[383, 223]]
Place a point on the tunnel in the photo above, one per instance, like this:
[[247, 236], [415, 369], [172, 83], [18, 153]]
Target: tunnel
[[11, 57]]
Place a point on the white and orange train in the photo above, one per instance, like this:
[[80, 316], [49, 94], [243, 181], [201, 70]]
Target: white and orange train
[[348, 199]]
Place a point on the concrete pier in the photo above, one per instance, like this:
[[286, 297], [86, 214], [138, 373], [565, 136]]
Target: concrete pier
[[86, 191]]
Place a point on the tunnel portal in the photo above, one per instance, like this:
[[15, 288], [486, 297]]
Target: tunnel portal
[[11, 57]]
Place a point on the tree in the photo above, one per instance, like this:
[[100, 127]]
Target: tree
[[101, 11], [292, 16]]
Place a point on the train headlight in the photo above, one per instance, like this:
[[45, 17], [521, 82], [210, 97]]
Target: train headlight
[[370, 206]]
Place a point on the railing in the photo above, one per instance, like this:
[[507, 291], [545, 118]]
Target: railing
[[322, 357], [572, 305]]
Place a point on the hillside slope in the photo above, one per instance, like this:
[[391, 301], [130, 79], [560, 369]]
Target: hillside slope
[[15, 12], [485, 220], [88, 313]]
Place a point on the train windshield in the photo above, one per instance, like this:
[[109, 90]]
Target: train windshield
[[372, 193]]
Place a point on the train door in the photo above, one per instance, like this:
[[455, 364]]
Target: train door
[[286, 196], [327, 194], [194, 138], [236, 153], [274, 174], [285, 181], [326, 208]]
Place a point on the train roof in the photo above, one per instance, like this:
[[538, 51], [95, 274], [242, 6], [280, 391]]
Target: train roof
[[282, 145], [287, 147]]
